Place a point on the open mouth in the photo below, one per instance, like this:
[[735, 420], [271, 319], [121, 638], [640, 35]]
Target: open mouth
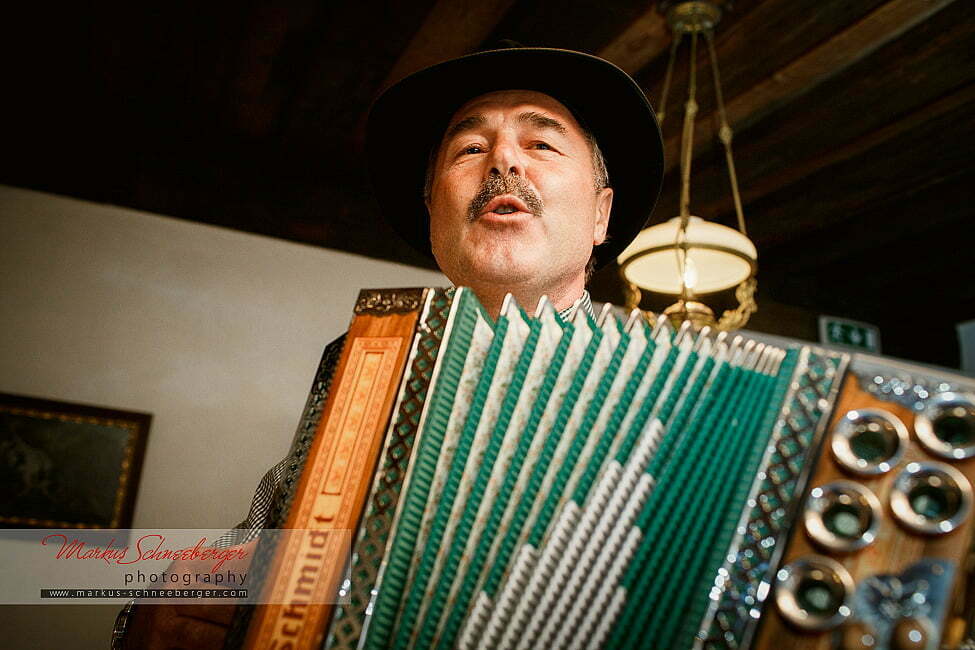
[[505, 205]]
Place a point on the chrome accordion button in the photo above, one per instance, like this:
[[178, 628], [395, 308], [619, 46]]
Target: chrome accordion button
[[869, 441], [931, 498], [946, 426], [842, 516], [813, 593]]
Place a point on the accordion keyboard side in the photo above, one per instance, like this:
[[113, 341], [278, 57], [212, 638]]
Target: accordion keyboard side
[[878, 556]]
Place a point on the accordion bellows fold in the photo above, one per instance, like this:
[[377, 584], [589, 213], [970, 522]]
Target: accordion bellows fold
[[560, 463]]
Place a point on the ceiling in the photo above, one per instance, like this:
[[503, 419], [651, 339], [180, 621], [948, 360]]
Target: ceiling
[[854, 124]]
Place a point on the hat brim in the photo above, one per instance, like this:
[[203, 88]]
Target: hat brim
[[410, 118]]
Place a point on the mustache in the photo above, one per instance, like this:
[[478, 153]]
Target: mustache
[[497, 185]]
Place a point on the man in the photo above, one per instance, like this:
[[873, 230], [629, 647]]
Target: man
[[458, 130], [514, 150]]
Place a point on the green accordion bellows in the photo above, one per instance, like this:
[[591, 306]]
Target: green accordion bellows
[[563, 480]]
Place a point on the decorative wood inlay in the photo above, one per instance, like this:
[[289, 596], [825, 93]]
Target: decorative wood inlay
[[308, 567], [392, 301]]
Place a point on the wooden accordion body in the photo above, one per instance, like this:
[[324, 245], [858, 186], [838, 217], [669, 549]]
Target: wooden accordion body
[[534, 483]]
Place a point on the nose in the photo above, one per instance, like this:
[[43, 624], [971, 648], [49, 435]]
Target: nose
[[507, 158]]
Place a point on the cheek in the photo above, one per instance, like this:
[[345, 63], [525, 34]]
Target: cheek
[[452, 194], [572, 202], [441, 231], [567, 183], [447, 224]]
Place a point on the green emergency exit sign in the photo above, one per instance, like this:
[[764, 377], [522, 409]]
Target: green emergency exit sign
[[851, 334]]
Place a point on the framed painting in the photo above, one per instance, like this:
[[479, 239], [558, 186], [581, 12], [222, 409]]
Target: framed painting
[[66, 465]]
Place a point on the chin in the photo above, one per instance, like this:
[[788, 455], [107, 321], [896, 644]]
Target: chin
[[499, 267], [507, 273]]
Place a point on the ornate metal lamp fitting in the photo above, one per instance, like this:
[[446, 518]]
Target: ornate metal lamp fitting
[[689, 256]]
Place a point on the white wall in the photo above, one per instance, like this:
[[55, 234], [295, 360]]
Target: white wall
[[216, 333]]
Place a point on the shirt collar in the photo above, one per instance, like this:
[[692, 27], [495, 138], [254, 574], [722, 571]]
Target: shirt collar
[[584, 303]]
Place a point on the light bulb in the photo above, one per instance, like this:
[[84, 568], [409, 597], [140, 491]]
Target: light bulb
[[690, 273]]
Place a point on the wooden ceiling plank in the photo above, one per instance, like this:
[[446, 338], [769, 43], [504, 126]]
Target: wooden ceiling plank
[[583, 25], [644, 40], [928, 63], [356, 46], [849, 188], [252, 101], [855, 43], [942, 205], [803, 169], [452, 28], [784, 30]]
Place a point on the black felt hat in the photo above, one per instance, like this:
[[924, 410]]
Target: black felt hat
[[410, 118]]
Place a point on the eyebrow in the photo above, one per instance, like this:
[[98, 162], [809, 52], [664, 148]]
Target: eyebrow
[[540, 121], [467, 124], [534, 118]]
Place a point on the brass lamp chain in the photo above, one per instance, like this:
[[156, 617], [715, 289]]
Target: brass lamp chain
[[686, 157], [725, 133], [674, 44], [687, 137], [745, 292]]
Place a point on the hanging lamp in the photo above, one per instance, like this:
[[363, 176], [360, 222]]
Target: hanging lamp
[[688, 256]]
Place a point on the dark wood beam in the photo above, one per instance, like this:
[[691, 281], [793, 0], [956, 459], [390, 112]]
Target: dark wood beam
[[356, 47], [586, 25], [329, 213], [957, 103], [640, 43], [823, 62], [753, 41], [928, 63], [452, 28], [900, 168], [253, 101], [944, 206]]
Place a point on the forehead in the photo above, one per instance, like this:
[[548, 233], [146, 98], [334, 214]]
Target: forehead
[[516, 101]]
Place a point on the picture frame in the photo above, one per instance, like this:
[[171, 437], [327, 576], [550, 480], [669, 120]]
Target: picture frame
[[67, 465]]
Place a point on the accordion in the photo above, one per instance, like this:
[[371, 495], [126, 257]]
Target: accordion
[[534, 482]]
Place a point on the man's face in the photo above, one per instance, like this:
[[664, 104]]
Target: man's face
[[513, 200]]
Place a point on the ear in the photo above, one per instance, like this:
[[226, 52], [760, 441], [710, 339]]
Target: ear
[[604, 205]]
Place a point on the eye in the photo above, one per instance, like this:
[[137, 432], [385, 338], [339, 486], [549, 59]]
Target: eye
[[472, 149], [543, 146]]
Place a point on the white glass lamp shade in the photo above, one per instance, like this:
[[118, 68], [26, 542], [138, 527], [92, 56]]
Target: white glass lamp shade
[[718, 258]]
